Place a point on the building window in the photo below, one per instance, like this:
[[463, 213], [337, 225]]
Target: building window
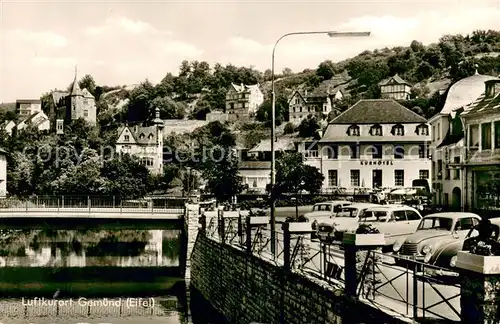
[[486, 136], [422, 148], [297, 101], [231, 106], [150, 136], [85, 113], [399, 178], [377, 151], [147, 161], [433, 133], [422, 130], [456, 172], [439, 132], [353, 130], [447, 173], [398, 130], [440, 170], [243, 105], [354, 151], [60, 125], [355, 178], [474, 136], [332, 178], [332, 151], [399, 152], [126, 138], [85, 102], [423, 174], [376, 130]]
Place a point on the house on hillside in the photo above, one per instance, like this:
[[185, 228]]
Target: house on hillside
[[304, 103], [448, 145], [145, 142], [395, 88], [242, 101], [376, 143], [77, 103], [39, 120], [28, 107]]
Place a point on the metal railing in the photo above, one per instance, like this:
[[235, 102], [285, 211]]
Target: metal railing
[[92, 204], [410, 288], [415, 289]]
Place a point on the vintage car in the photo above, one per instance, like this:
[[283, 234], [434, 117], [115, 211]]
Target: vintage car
[[345, 219], [324, 210], [395, 221], [438, 239]]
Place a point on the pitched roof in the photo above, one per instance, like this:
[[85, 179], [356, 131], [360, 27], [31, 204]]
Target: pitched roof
[[86, 93], [143, 135], [281, 144], [396, 78], [243, 87], [465, 91], [57, 95], [378, 111], [484, 106]]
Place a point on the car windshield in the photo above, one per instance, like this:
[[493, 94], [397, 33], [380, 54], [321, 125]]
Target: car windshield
[[437, 223], [322, 207], [347, 212], [374, 216]]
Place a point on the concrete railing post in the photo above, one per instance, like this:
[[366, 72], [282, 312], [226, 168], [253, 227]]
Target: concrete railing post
[[479, 288], [357, 248], [248, 235], [300, 230], [88, 202], [62, 202], [240, 228], [191, 226], [221, 226], [253, 223]]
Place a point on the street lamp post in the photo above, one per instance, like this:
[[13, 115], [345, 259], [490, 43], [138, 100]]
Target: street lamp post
[[273, 119]]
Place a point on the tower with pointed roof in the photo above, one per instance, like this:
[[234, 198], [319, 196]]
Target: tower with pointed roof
[[75, 104]]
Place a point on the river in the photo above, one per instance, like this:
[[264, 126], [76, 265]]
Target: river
[[97, 276]]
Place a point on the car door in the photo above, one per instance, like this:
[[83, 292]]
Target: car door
[[414, 219], [397, 226], [464, 225]]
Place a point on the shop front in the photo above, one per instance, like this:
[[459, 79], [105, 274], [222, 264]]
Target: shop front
[[485, 191]]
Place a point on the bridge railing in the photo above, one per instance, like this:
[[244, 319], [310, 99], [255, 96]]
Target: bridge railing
[[411, 288], [418, 290], [91, 204]]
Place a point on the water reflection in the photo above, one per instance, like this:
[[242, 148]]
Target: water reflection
[[89, 248]]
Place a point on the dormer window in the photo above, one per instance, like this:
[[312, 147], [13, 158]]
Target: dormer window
[[376, 130], [142, 136], [126, 138], [398, 130], [353, 130], [422, 129], [150, 136]]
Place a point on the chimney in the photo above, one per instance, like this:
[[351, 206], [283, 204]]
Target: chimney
[[492, 88], [305, 92]]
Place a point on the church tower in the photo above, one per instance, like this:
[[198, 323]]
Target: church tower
[[76, 105]]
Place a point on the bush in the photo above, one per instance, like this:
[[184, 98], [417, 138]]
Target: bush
[[289, 128], [367, 229]]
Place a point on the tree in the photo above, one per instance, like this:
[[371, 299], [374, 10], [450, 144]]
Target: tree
[[293, 175], [222, 178], [264, 113], [326, 70], [169, 109], [201, 110], [289, 128], [287, 72], [87, 82], [126, 177], [309, 127], [139, 102]]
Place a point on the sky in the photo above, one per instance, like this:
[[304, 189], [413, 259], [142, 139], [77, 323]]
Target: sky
[[125, 42]]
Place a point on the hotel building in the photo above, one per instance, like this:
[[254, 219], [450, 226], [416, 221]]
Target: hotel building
[[374, 144]]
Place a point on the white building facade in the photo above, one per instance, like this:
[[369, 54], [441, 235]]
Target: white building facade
[[145, 142], [243, 101], [303, 104], [395, 88], [28, 107], [447, 144], [374, 144]]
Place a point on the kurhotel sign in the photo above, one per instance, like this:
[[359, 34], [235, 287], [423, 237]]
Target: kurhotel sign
[[381, 162]]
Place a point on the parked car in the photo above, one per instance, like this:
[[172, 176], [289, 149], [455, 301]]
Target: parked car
[[344, 220], [395, 221], [438, 239], [324, 210]]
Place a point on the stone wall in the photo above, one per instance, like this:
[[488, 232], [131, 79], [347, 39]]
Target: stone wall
[[246, 288], [191, 226]]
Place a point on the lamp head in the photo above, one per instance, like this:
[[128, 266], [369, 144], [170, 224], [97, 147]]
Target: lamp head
[[348, 34]]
